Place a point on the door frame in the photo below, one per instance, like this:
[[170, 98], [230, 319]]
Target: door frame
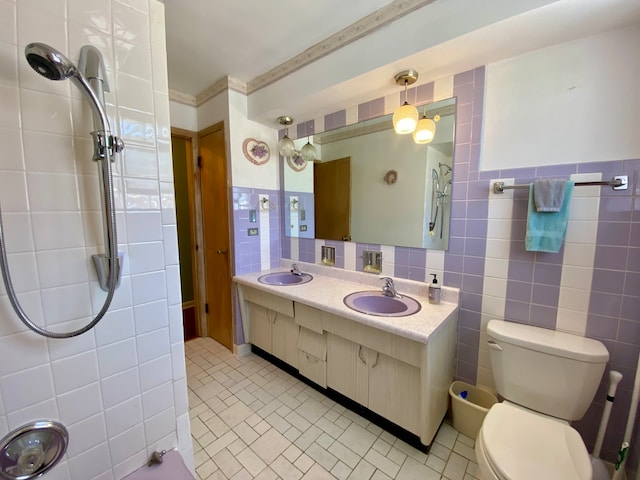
[[195, 209]]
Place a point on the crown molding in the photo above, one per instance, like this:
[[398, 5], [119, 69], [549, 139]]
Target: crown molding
[[183, 98], [223, 84], [355, 31]]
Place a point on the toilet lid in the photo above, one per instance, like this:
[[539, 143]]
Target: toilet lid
[[524, 445]]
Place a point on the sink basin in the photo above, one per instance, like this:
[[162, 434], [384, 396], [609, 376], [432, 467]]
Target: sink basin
[[377, 303], [285, 278]]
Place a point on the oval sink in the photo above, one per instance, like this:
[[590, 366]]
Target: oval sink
[[285, 278], [377, 303]]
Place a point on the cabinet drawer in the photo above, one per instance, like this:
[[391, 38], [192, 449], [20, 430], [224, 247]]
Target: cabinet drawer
[[313, 343], [308, 317], [313, 368], [267, 300]]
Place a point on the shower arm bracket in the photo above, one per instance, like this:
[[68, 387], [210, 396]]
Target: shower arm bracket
[[104, 143]]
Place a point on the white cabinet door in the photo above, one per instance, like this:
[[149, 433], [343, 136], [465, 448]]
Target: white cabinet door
[[394, 391], [347, 368], [284, 338], [260, 326]]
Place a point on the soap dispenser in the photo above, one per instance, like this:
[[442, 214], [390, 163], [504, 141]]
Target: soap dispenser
[[434, 290]]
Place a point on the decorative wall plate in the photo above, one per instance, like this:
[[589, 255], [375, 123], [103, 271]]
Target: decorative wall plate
[[296, 162], [257, 152], [391, 177]]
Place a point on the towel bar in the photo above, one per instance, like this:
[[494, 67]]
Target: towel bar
[[619, 182]]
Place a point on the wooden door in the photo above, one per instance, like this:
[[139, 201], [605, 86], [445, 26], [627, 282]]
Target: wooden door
[[215, 213], [332, 193]]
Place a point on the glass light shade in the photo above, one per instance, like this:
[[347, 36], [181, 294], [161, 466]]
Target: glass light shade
[[308, 152], [286, 146], [425, 131], [405, 119]]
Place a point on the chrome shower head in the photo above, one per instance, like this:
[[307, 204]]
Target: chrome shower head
[[49, 62]]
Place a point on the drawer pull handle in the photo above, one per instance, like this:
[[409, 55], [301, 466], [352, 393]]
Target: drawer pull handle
[[311, 358], [360, 355], [376, 360]]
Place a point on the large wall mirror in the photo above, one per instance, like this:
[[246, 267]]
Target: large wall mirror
[[371, 185]]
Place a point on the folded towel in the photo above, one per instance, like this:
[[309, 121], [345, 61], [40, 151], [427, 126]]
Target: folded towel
[[546, 230], [549, 194]]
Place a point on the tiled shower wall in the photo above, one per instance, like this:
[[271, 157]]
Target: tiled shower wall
[[590, 288], [120, 388]]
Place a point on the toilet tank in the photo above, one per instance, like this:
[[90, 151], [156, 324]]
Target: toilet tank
[[551, 372]]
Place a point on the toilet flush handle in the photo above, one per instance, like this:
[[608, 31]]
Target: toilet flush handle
[[494, 345]]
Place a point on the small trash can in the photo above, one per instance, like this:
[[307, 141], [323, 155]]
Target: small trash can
[[468, 413]]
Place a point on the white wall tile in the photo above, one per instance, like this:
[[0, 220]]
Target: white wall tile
[[115, 326], [85, 434], [46, 409], [180, 397], [27, 387], [151, 316], [74, 372], [142, 194], [32, 305], [176, 331], [8, 64], [122, 445], [57, 230], [157, 399], [52, 192], [132, 60], [148, 287], [42, 22], [130, 24], [574, 299], [10, 111], [144, 227], [24, 275], [134, 93], [66, 303], [13, 158], [80, 35], [25, 350], [124, 416], [46, 113], [177, 354], [174, 295], [117, 357], [17, 232], [146, 257], [140, 162], [571, 321], [579, 254], [47, 152], [13, 192], [80, 404], [8, 22], [53, 7], [90, 463], [120, 387], [62, 267], [153, 345], [155, 372], [90, 12], [160, 425], [59, 349], [170, 245], [137, 127]]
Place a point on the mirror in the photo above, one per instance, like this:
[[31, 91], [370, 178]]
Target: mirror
[[371, 185]]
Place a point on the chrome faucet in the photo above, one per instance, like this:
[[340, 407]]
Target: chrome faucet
[[389, 288], [295, 270]]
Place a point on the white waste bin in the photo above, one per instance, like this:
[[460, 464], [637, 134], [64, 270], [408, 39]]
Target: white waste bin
[[468, 413]]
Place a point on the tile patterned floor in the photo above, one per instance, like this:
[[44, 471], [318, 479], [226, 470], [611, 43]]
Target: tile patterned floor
[[249, 419]]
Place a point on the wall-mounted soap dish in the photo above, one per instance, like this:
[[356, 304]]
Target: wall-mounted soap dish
[[372, 261], [328, 255]]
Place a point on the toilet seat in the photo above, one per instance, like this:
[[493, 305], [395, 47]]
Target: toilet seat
[[520, 444]]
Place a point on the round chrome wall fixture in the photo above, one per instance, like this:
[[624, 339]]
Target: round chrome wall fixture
[[31, 450]]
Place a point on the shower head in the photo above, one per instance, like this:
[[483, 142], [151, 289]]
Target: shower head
[[49, 62]]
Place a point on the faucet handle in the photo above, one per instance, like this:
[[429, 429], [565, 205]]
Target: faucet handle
[[387, 280]]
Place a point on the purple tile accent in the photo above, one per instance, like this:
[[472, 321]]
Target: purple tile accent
[[477, 208], [401, 256], [464, 95], [471, 301], [475, 247], [469, 336], [411, 96], [464, 114], [456, 245], [616, 209], [519, 291], [452, 279], [476, 129], [474, 159], [520, 271], [630, 307], [474, 265], [424, 93], [472, 284], [543, 316], [461, 79], [625, 354], [452, 263], [401, 271], [629, 331], [545, 295], [417, 273], [461, 171], [463, 133], [377, 107], [459, 209], [516, 311], [478, 102], [608, 169], [608, 281], [476, 228], [634, 241], [469, 319], [520, 173], [599, 326], [633, 262], [364, 111], [417, 256], [460, 190], [605, 304], [614, 233], [547, 274], [467, 372], [468, 354], [478, 191], [556, 171], [457, 227], [461, 155]]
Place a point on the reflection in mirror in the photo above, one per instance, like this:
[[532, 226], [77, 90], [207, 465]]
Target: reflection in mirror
[[371, 185]]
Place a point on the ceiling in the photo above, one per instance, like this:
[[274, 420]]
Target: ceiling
[[252, 40]]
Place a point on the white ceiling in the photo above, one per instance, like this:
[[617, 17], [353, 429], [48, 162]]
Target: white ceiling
[[210, 39]]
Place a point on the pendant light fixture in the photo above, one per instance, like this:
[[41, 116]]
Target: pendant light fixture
[[285, 145], [426, 129], [405, 118], [308, 152]]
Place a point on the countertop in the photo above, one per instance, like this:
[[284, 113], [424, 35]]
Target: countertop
[[330, 285]]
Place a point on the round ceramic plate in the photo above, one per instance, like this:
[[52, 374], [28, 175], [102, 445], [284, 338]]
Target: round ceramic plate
[[257, 152]]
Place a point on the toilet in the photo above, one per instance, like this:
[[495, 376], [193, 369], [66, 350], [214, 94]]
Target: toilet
[[547, 379]]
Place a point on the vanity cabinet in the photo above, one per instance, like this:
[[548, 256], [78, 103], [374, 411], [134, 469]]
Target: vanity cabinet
[[273, 328], [403, 380]]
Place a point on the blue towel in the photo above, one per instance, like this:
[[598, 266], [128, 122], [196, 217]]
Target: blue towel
[[546, 230]]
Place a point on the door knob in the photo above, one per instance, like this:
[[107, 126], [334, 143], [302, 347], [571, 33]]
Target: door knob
[[221, 252]]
